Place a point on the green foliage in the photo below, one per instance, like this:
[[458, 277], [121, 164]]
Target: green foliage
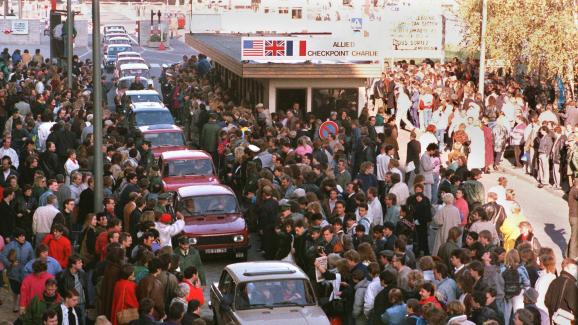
[[155, 38], [527, 31]]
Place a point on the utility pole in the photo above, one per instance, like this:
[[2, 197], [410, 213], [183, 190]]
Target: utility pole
[[19, 9], [97, 107], [69, 40], [483, 48]]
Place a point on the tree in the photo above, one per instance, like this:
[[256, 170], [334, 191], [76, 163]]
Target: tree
[[539, 33]]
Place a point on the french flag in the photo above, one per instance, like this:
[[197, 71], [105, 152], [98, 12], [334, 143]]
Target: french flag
[[296, 48]]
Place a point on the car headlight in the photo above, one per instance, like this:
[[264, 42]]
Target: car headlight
[[193, 241], [238, 238]]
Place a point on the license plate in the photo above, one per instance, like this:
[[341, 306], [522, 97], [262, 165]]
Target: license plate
[[216, 250]]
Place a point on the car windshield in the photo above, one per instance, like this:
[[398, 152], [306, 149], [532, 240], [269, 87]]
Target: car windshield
[[210, 204], [125, 83], [153, 117], [146, 98], [120, 41], [135, 72], [270, 294], [114, 50], [165, 139], [200, 167]]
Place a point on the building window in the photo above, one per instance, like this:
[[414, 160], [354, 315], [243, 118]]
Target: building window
[[296, 13], [266, 10], [283, 10], [327, 100]]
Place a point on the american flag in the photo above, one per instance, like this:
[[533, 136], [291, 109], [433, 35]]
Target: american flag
[[274, 48], [253, 48]]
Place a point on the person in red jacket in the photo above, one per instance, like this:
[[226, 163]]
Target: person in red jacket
[[102, 240], [427, 294], [59, 247], [191, 278], [124, 293], [33, 284]]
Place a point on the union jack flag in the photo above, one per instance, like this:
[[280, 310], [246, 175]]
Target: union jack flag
[[274, 48]]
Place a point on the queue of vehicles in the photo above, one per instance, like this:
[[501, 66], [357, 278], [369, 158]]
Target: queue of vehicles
[[214, 221]]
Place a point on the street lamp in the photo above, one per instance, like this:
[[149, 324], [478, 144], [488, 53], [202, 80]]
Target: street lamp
[[97, 107], [483, 48]]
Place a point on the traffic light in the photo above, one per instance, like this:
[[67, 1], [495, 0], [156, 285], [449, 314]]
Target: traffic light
[[152, 16], [159, 15]]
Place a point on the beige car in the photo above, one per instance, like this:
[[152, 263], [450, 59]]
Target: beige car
[[268, 292]]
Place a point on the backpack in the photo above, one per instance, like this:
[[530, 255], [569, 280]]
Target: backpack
[[512, 284]]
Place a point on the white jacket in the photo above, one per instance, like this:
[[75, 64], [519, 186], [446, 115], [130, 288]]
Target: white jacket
[[42, 219], [167, 232]]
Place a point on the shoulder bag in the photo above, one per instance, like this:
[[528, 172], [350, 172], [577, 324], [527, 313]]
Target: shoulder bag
[[126, 316]]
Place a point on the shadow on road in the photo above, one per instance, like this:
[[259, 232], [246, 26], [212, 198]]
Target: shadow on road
[[557, 236]]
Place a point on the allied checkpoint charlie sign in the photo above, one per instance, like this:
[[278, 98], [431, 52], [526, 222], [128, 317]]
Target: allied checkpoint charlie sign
[[286, 49]]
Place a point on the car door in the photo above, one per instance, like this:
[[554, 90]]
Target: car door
[[224, 289]]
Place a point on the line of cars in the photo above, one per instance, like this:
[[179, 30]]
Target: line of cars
[[214, 222]]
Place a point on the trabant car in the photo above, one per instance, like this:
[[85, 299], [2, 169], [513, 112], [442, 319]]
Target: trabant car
[[123, 84], [163, 137], [186, 167], [134, 69], [214, 222], [266, 292], [109, 58], [148, 113]]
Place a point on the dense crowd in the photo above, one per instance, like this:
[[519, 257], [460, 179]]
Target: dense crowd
[[385, 240]]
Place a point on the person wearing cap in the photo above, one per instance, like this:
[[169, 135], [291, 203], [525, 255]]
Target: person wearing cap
[[167, 230], [163, 200], [190, 256], [530, 298]]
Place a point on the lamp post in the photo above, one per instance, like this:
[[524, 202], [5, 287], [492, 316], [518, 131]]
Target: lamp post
[[69, 38], [483, 48], [97, 108]]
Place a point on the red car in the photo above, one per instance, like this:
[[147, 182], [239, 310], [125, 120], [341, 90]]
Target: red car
[[213, 220], [186, 167], [163, 137]]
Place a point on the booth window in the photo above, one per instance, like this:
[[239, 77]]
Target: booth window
[[326, 100], [296, 13]]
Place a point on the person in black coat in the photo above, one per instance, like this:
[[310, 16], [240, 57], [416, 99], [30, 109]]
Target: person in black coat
[[268, 218], [388, 280], [49, 161], [420, 209], [285, 239], [193, 312], [8, 214], [413, 150]]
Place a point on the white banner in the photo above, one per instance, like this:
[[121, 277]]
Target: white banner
[[20, 27], [292, 49], [417, 36]]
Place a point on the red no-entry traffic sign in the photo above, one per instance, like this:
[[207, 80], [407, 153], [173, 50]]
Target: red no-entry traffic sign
[[326, 128]]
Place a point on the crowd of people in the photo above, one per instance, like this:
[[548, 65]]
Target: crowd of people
[[412, 240]]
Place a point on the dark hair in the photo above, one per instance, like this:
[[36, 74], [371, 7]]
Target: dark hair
[[73, 259], [429, 287], [70, 293], [193, 305], [126, 271], [41, 248], [39, 266], [189, 272], [145, 305], [389, 225], [176, 311], [477, 266], [49, 314], [154, 265], [442, 269]]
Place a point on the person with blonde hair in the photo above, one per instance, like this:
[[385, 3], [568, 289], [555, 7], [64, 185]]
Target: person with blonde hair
[[510, 228], [456, 313]]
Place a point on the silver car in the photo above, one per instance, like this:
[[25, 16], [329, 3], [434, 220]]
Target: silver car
[[269, 292]]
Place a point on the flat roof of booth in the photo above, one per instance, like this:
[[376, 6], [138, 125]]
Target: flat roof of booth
[[225, 49]]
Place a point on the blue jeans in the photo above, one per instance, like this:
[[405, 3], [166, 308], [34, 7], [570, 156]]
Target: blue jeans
[[440, 136]]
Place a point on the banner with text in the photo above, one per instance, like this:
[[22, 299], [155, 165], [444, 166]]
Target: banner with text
[[417, 36], [291, 49]]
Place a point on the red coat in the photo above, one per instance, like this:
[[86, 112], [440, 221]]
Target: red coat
[[32, 286], [432, 300], [124, 298], [101, 243], [60, 249]]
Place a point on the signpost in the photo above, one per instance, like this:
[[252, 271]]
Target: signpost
[[287, 49], [20, 27], [326, 128]]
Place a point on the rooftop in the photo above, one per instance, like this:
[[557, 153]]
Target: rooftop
[[202, 190], [185, 154], [265, 270]]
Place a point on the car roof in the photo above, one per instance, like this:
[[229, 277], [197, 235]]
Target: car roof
[[126, 38], [131, 78], [158, 128], [264, 270], [204, 189], [141, 92], [128, 66], [149, 106], [131, 53], [131, 58], [185, 154]]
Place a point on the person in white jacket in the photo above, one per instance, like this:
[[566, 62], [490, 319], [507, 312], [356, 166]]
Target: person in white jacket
[[403, 106], [373, 288], [167, 230]]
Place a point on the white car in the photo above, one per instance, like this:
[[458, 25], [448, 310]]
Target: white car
[[123, 84], [134, 69], [109, 29], [146, 96], [129, 54], [109, 58]]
